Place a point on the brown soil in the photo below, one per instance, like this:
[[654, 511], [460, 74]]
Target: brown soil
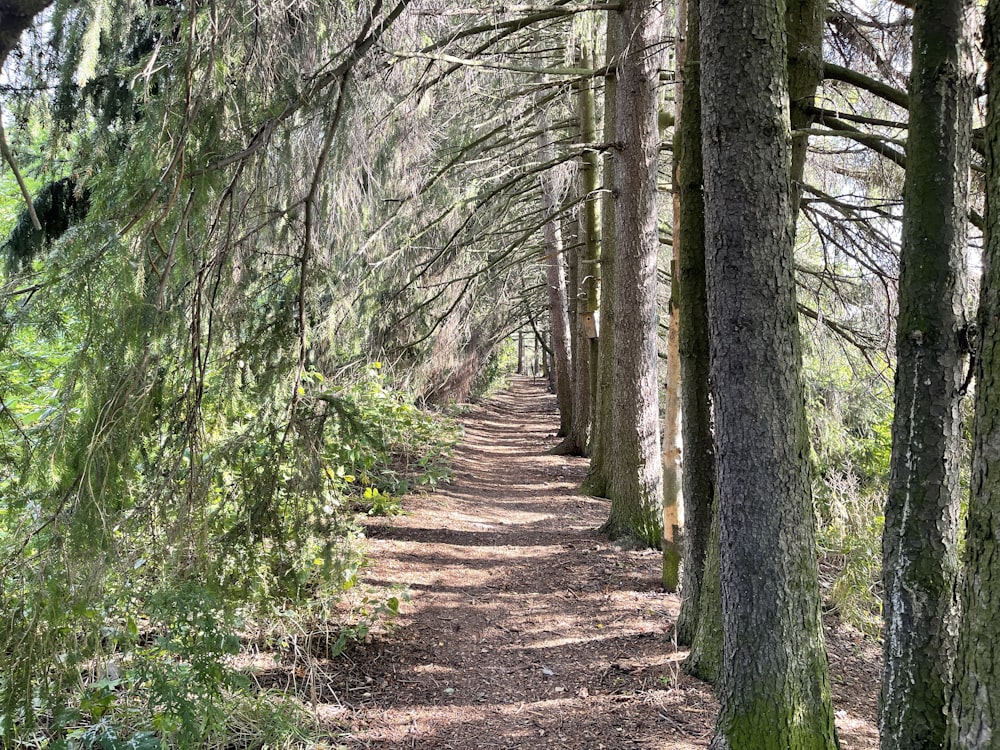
[[525, 628]]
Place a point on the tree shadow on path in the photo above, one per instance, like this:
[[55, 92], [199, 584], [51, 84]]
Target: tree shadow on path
[[525, 628]]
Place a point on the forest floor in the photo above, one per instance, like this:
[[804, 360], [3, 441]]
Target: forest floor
[[525, 628]]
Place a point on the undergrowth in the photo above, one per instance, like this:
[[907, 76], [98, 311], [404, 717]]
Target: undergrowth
[[132, 624], [850, 414]]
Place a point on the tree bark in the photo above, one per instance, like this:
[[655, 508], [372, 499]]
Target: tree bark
[[975, 703], [704, 661], [804, 20], [590, 272], [672, 444], [698, 483], [919, 543], [596, 482], [583, 267], [575, 443], [556, 284], [775, 690], [634, 467]]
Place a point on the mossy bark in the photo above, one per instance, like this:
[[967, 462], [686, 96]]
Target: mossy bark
[[975, 701], [698, 483], [774, 689], [705, 658], [633, 455], [921, 518]]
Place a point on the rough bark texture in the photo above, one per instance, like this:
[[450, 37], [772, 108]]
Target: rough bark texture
[[597, 477], [556, 282], [704, 661], [775, 690], [633, 461], [919, 542], [804, 21], [696, 416], [975, 706]]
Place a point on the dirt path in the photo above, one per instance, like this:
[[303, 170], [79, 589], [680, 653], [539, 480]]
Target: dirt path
[[525, 628]]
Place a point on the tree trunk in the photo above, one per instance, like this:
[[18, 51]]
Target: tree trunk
[[591, 234], [583, 261], [804, 20], [575, 443], [705, 658], [597, 477], [698, 483], [671, 451], [672, 444], [775, 690], [975, 703], [919, 543], [633, 460], [556, 283]]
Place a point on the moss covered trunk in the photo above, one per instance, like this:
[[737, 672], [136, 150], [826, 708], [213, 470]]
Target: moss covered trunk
[[704, 661], [919, 542], [696, 415], [774, 690]]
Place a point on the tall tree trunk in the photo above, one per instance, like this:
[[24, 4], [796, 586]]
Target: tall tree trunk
[[696, 412], [804, 20], [919, 543], [590, 273], [689, 242], [775, 690], [633, 460], [584, 261], [975, 704], [556, 283], [575, 443], [597, 476], [672, 444]]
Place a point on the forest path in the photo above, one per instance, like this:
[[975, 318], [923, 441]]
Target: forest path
[[525, 627]]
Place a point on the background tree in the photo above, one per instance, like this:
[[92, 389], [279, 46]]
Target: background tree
[[919, 545], [693, 346], [633, 460], [974, 708]]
